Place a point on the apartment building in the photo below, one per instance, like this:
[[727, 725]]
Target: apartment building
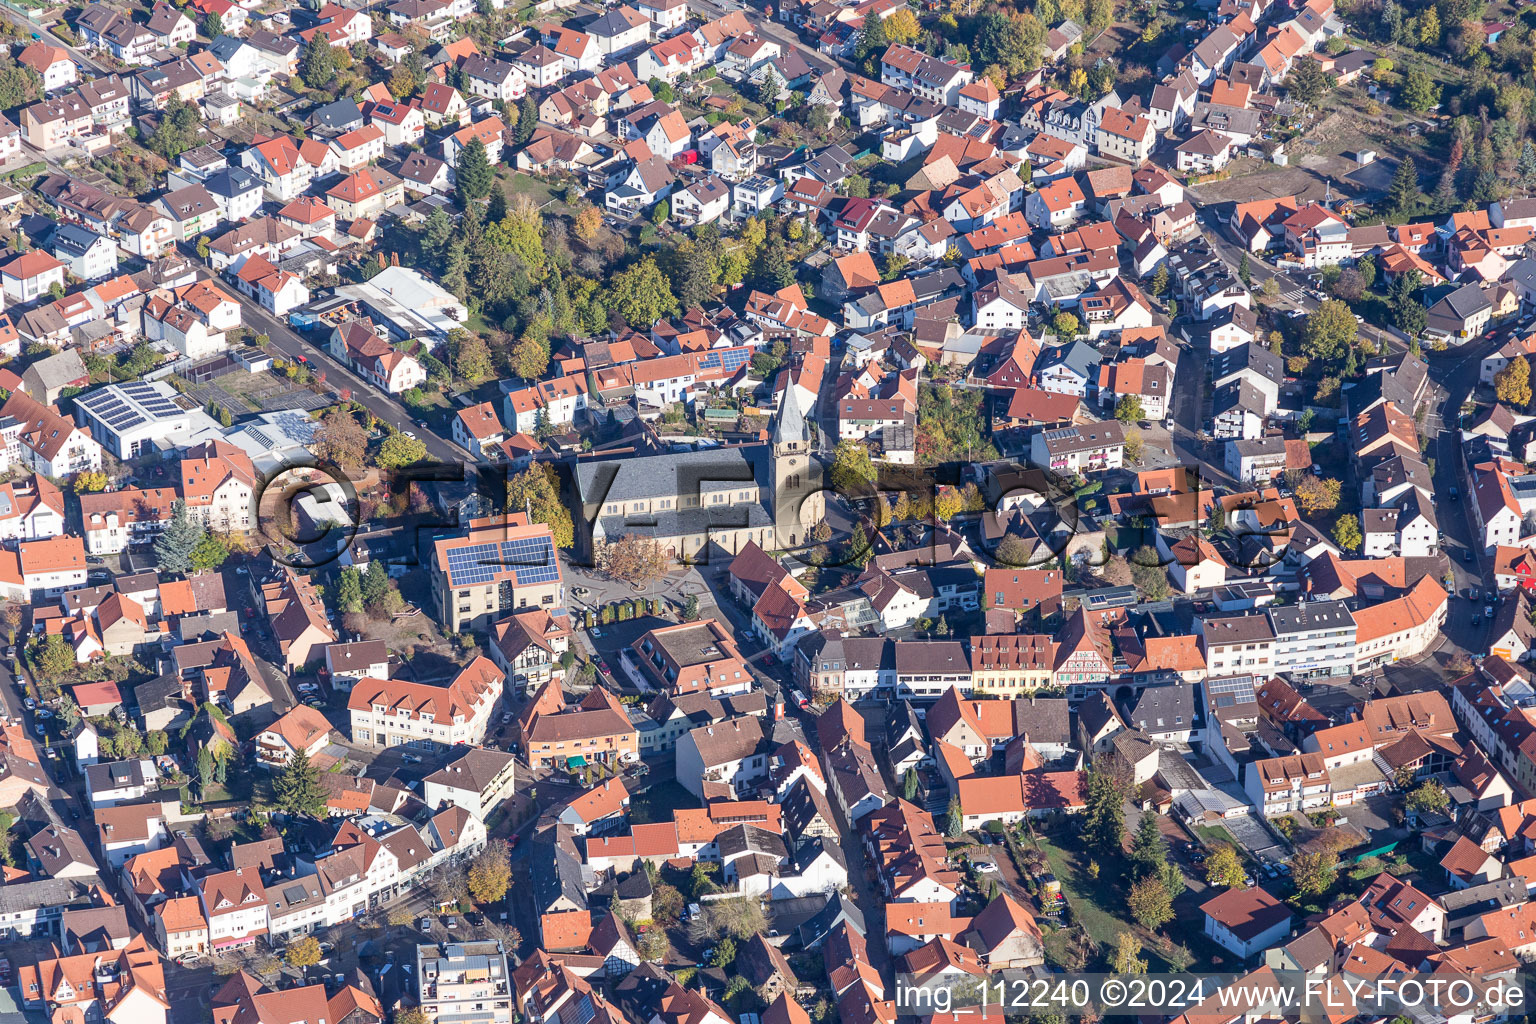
[[499, 566], [1087, 448], [394, 712], [464, 983], [1314, 639], [1238, 645], [235, 903], [1283, 785], [692, 657], [1009, 664]]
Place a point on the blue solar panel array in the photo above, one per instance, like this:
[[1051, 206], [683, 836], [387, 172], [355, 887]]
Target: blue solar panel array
[[531, 559], [728, 359]]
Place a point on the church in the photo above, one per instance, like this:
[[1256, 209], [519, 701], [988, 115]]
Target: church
[[699, 504]]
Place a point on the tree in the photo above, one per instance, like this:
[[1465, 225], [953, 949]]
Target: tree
[[1346, 533], [303, 952], [1429, 28], [1008, 39], [1129, 410], [1104, 814], [954, 821], [174, 547], [633, 559], [213, 25], [1410, 317], [1430, 798], [473, 174], [318, 66], [872, 41], [1314, 873], [1513, 383], [1149, 850], [1150, 903], [1065, 325], [1330, 330], [530, 356], [210, 553], [349, 590], [341, 439], [852, 473], [1133, 443], [90, 482], [642, 294], [1160, 279], [490, 873], [205, 769], [1308, 82], [398, 451], [1148, 574], [471, 357], [375, 582], [902, 27], [1223, 868], [536, 491], [1128, 955], [1317, 494], [1013, 551], [725, 952], [588, 220], [1244, 271], [1419, 91], [909, 784], [660, 212], [298, 787], [527, 119], [1403, 193]]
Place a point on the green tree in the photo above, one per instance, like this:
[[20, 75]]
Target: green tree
[[852, 473], [1148, 574], [1149, 850], [1346, 533], [1419, 91], [205, 769], [213, 25], [642, 295], [1308, 82], [210, 553], [1149, 903], [527, 119], [530, 356], [1065, 325], [297, 788], [471, 357], [375, 582], [318, 65], [954, 821], [1410, 317], [1128, 409], [1222, 868], [909, 784], [1330, 331], [1429, 798], [536, 491], [1104, 815], [1128, 955], [1160, 279], [174, 547], [398, 451], [1403, 193], [349, 590], [473, 175], [1244, 271]]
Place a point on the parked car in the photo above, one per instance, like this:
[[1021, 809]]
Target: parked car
[[986, 867], [1488, 610], [411, 758]]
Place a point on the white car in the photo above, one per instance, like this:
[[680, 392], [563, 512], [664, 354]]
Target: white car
[[410, 758], [986, 867]]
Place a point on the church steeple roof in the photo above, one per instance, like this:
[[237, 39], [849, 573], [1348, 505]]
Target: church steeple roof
[[790, 426]]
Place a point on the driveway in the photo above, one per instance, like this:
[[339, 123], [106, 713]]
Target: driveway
[[1252, 836]]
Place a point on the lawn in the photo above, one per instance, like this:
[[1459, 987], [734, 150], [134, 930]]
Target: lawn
[[1088, 897], [1217, 834], [519, 184]]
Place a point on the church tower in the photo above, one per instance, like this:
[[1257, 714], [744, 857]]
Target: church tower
[[798, 503]]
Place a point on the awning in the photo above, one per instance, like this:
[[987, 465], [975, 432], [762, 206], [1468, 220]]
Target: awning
[[579, 761]]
